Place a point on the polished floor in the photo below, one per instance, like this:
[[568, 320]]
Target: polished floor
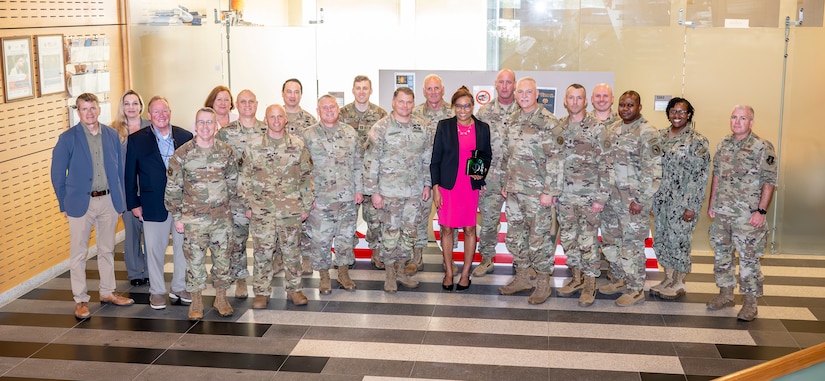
[[415, 334]]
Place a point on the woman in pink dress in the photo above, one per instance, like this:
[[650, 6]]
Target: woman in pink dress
[[455, 192]]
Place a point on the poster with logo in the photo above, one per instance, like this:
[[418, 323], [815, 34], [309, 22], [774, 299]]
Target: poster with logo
[[547, 98], [17, 68], [483, 95]]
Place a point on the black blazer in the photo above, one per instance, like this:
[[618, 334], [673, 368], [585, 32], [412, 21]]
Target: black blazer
[[444, 165], [145, 174]]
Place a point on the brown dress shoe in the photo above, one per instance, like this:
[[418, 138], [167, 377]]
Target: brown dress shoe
[[81, 310], [116, 299]]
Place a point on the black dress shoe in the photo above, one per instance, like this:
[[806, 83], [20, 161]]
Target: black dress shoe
[[136, 282], [447, 287], [459, 287], [145, 281]]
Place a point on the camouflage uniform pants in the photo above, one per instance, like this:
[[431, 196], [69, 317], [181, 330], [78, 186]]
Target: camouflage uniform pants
[[371, 217], [490, 204], [210, 233], [238, 261], [579, 231], [398, 227], [528, 228], [423, 222], [728, 233], [328, 223], [623, 241], [672, 235], [267, 235]]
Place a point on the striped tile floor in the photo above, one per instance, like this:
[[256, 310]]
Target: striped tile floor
[[419, 334]]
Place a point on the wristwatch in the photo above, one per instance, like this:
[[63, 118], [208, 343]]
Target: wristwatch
[[761, 211]]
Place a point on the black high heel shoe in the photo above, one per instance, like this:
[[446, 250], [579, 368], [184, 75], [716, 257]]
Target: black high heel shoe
[[447, 287], [459, 287]]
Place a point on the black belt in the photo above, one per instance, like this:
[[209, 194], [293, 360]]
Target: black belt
[[99, 193]]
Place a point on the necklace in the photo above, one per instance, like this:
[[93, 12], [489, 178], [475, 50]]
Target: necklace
[[464, 132]]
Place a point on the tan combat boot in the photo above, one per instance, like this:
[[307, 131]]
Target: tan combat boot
[[532, 273], [376, 259], [484, 267], [297, 298], [196, 308], [631, 297], [519, 283], [575, 284], [324, 286], [240, 289], [390, 284], [676, 288], [260, 302], [344, 279], [306, 266], [613, 288], [655, 290], [220, 304], [402, 277], [416, 263], [749, 310], [542, 291], [588, 295], [723, 300]]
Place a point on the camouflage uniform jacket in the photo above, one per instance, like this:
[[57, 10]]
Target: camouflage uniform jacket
[[398, 159], [742, 168], [237, 136], [337, 161], [432, 117], [532, 163], [495, 114], [299, 121], [584, 167], [276, 177], [685, 166], [200, 181], [361, 122], [636, 159], [614, 116]]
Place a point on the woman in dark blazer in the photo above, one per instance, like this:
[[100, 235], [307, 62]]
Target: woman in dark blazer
[[455, 192]]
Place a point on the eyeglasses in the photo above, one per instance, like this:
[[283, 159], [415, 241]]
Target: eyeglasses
[[677, 112], [204, 122], [466, 106]]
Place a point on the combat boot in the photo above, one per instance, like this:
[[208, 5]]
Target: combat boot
[[484, 267], [676, 288], [306, 266], [613, 288], [277, 263], [588, 295], [416, 262], [532, 273], [519, 283], [196, 308], [404, 279], [344, 279], [542, 291], [240, 289], [324, 285], [297, 298], [260, 302], [376, 259], [655, 290], [390, 285], [724, 299], [575, 284], [220, 304], [631, 297], [748, 311]]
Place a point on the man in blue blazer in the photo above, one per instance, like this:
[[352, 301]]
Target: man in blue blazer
[[87, 175], [147, 158]]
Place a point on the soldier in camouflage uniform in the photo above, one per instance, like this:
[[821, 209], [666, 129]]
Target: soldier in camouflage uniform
[[602, 101], [201, 180], [299, 119], [398, 178], [275, 186], [744, 177], [495, 114], [237, 134], [336, 155], [362, 114], [676, 205], [635, 156], [532, 185], [431, 111], [584, 195]]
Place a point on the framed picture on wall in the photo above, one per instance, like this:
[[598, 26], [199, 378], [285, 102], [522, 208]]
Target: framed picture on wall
[[17, 68], [51, 64]]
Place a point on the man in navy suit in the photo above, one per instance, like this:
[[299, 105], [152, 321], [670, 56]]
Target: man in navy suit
[[147, 159], [86, 176]]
